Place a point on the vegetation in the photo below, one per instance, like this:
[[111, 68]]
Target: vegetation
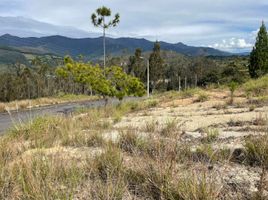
[[259, 55], [257, 87], [87, 156], [232, 87], [108, 82], [98, 20], [156, 66]]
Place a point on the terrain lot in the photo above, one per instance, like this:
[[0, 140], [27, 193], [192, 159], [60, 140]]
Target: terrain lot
[[188, 145]]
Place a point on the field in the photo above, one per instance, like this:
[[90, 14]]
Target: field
[[196, 144]]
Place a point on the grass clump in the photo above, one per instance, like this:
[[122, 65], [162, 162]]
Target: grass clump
[[257, 88], [211, 135], [130, 142], [189, 93], [202, 97], [169, 128], [257, 150], [206, 153], [40, 177]]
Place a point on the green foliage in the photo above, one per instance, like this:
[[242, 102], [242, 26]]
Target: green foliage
[[156, 65], [98, 18], [232, 87], [136, 65], [257, 150], [257, 87], [202, 97], [108, 82], [259, 55]]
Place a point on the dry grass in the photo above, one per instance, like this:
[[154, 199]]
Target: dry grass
[[81, 157], [27, 104]]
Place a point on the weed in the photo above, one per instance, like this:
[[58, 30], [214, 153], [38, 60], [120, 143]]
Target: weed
[[202, 97], [169, 128], [211, 135]]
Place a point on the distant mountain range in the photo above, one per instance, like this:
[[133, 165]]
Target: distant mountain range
[[92, 47], [26, 27]]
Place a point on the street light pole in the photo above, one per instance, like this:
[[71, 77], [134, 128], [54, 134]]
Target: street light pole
[[148, 76], [148, 79]]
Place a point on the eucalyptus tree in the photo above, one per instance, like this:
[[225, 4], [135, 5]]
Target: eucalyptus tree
[[99, 20]]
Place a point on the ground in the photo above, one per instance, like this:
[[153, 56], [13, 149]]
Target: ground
[[188, 145]]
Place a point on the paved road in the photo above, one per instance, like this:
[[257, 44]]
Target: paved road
[[7, 120]]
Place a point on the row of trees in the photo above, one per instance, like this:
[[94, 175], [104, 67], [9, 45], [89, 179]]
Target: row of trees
[[37, 80], [172, 71]]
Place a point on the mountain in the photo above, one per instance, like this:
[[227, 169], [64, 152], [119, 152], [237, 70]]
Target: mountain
[[25, 27], [92, 47]]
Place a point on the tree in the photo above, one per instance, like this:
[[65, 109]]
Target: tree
[[123, 84], [259, 56], [156, 66], [98, 20], [136, 65], [108, 82]]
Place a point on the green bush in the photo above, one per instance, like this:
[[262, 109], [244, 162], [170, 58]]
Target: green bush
[[258, 87]]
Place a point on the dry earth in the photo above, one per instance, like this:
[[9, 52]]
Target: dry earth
[[226, 126]]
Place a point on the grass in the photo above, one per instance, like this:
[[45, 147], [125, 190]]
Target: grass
[[69, 158], [257, 150], [40, 177], [257, 155], [27, 104], [211, 135], [256, 88], [202, 97]]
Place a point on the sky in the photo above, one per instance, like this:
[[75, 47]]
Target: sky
[[229, 25]]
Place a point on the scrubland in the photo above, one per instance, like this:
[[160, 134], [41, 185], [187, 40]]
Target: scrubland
[[190, 145]]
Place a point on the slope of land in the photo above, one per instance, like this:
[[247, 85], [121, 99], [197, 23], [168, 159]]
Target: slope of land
[[188, 145]]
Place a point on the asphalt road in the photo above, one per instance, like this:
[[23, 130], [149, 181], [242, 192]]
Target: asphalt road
[[16, 117]]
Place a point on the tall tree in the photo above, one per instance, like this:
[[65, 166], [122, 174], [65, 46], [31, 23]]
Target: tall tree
[[156, 69], [98, 20], [136, 65], [259, 56]]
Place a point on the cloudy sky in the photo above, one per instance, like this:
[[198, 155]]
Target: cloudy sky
[[229, 25]]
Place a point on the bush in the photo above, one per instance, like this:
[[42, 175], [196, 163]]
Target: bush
[[202, 97], [257, 150], [258, 87]]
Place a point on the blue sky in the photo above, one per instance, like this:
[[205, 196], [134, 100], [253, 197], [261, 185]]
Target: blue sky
[[229, 25]]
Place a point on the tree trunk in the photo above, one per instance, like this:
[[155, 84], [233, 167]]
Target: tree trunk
[[104, 46]]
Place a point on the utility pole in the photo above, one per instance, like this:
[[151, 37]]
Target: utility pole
[[195, 80], [148, 79], [179, 83], [148, 76], [185, 83]]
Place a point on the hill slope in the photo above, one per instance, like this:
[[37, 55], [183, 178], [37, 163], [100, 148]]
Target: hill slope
[[26, 27], [92, 47]]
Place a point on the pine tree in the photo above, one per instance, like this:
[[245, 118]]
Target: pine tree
[[136, 65], [259, 56], [156, 66], [98, 20]]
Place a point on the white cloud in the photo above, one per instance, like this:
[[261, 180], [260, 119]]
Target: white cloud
[[233, 44], [194, 22]]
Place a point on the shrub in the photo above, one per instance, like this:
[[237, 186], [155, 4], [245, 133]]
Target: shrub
[[202, 97], [257, 150], [258, 87]]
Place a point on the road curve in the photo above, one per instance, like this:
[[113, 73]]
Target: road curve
[[16, 117]]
